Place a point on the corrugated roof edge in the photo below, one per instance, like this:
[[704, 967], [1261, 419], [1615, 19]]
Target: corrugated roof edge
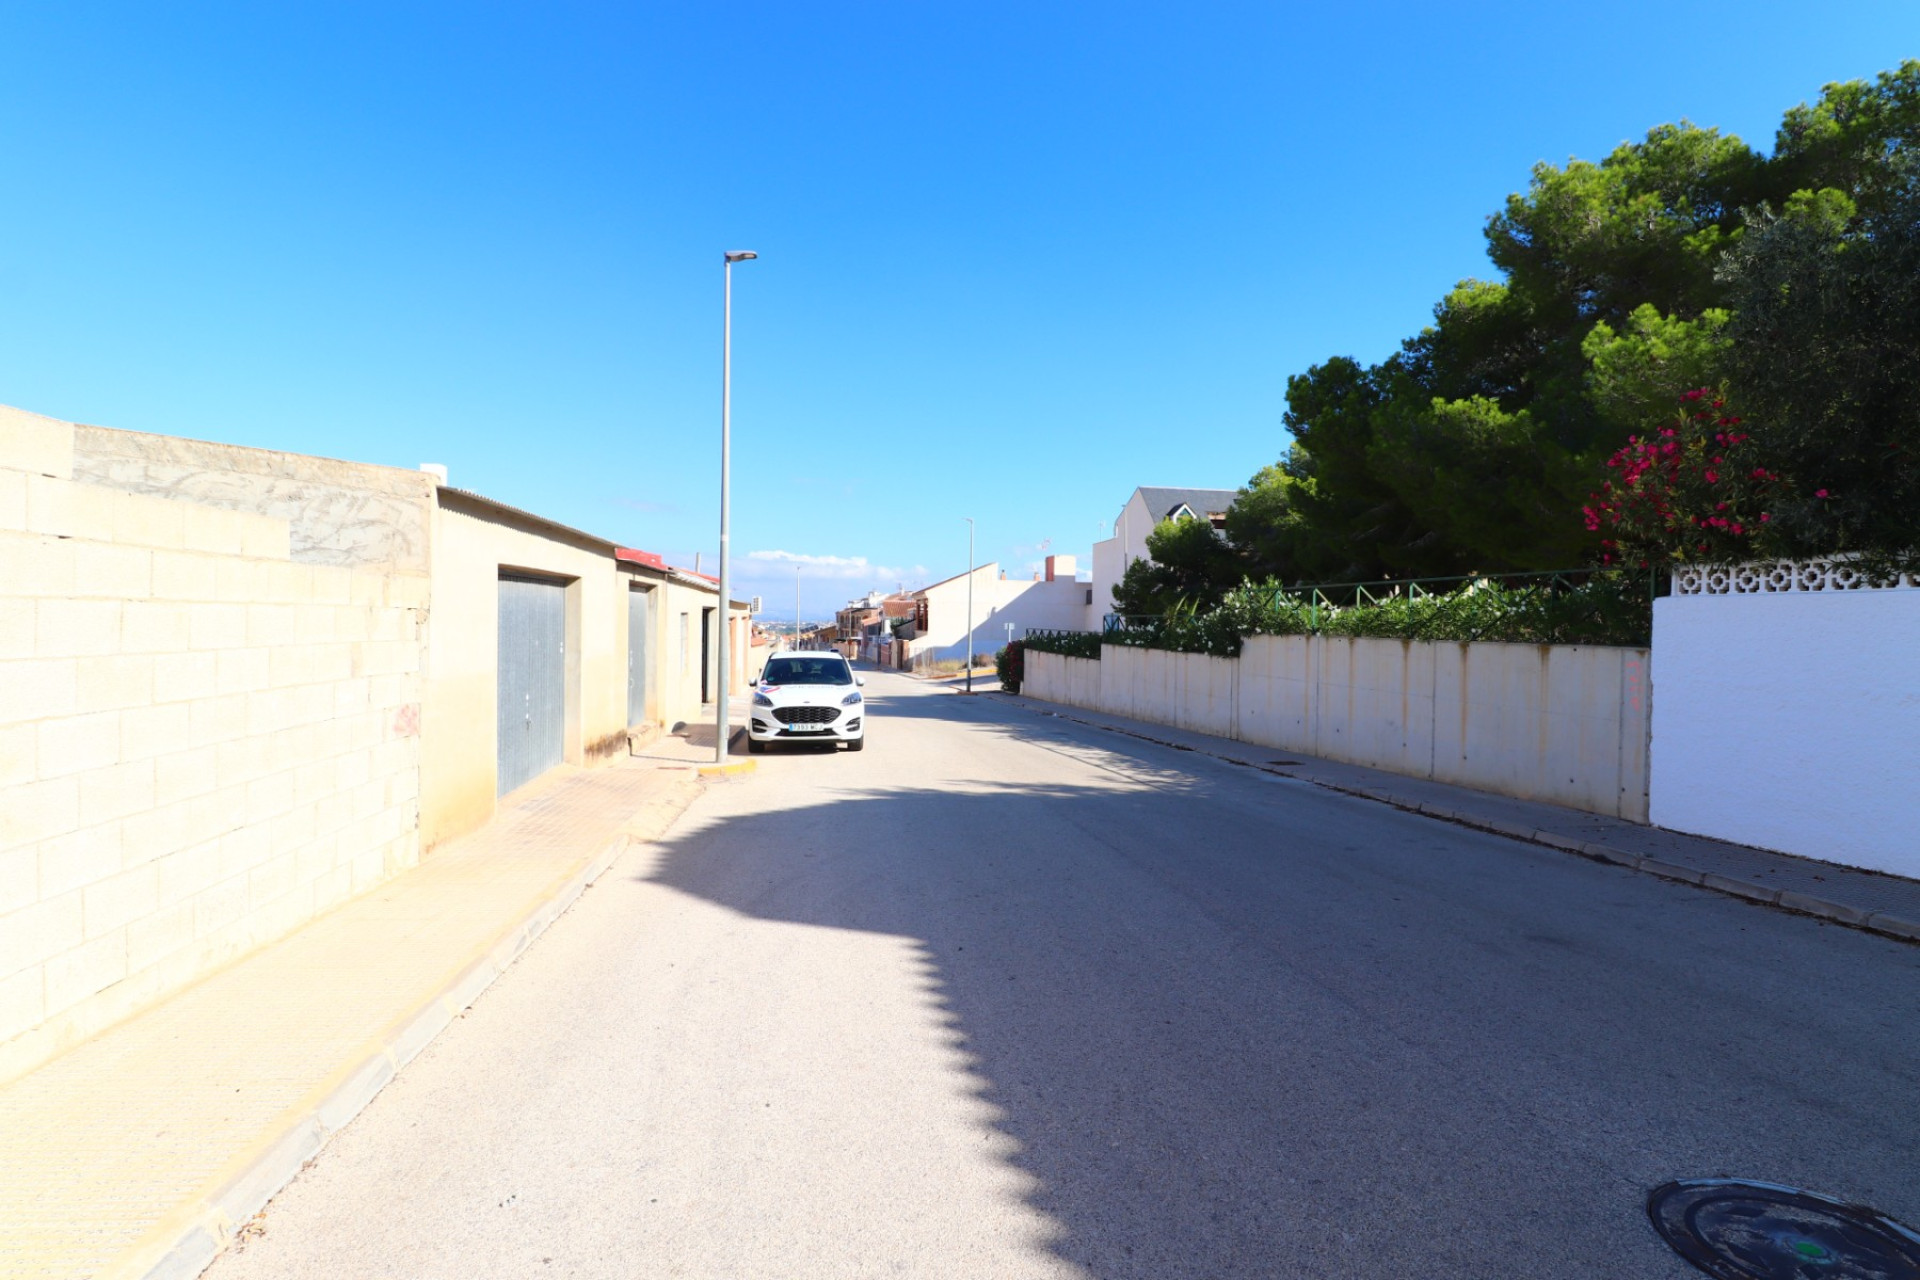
[[481, 500], [654, 560], [633, 555]]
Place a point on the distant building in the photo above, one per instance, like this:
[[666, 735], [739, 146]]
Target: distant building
[[1145, 509], [1003, 608]]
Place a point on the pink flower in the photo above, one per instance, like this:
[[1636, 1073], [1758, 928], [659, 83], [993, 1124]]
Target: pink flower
[[1763, 517], [1819, 493]]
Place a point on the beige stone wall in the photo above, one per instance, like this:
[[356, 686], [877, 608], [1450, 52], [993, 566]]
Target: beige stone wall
[[473, 543], [675, 695], [203, 743]]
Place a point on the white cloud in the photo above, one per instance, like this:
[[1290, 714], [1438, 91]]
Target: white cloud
[[764, 564]]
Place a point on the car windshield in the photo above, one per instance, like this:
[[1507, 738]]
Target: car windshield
[[827, 670]]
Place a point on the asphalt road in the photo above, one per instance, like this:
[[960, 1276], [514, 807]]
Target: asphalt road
[[1005, 996]]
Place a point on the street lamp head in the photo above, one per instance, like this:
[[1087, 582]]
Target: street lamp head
[[741, 255]]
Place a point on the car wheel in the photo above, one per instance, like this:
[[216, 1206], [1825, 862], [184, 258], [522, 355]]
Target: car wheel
[[857, 743]]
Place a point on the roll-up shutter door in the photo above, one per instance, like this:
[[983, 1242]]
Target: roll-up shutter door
[[533, 678], [639, 638]]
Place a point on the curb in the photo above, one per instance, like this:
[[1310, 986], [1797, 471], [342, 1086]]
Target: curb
[[731, 769], [187, 1241], [1880, 922]]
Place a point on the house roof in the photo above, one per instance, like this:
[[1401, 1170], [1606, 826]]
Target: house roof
[[688, 577], [633, 555], [1162, 503]]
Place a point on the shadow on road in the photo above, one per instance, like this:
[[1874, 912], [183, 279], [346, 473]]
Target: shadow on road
[[1256, 1030]]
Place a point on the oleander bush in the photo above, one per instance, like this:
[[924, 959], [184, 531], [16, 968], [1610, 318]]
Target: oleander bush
[[1010, 664]]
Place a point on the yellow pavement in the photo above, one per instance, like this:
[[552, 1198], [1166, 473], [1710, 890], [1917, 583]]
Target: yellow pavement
[[162, 1129]]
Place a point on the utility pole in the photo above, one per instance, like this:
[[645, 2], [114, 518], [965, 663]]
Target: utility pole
[[726, 495], [969, 520]]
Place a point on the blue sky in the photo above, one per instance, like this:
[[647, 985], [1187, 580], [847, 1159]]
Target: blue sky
[[1016, 258]]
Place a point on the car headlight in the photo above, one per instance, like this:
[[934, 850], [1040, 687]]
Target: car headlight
[[762, 700], [851, 700]]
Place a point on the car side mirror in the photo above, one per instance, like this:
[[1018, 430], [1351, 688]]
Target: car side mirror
[[859, 679]]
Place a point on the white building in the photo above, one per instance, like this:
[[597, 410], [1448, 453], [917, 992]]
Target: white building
[[1003, 608], [1145, 509]]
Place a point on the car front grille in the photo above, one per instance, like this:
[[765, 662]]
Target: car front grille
[[806, 715]]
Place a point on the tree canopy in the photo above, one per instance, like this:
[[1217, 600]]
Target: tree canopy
[[1789, 282], [1190, 566]]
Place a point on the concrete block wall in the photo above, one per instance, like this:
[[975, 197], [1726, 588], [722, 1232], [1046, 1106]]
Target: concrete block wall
[[203, 743], [1568, 724], [349, 514]]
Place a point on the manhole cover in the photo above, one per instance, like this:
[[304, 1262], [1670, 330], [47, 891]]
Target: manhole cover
[[1737, 1230]]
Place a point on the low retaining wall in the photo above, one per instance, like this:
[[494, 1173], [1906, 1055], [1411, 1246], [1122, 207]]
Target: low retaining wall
[[1567, 724], [1790, 719]]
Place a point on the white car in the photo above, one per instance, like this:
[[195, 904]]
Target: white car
[[807, 695]]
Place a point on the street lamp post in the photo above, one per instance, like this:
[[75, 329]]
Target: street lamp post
[[969, 520], [721, 728], [796, 606]]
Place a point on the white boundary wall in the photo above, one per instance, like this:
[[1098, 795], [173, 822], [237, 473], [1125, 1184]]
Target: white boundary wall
[[1566, 724], [1791, 720]]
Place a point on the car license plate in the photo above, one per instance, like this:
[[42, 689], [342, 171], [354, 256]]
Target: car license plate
[[807, 728]]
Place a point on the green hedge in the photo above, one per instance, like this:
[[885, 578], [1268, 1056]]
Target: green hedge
[[1606, 609], [1072, 644]]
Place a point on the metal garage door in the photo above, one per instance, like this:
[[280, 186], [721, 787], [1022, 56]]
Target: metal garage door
[[533, 678], [639, 636]]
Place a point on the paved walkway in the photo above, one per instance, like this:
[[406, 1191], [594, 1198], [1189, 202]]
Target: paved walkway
[[1864, 899], [143, 1150]]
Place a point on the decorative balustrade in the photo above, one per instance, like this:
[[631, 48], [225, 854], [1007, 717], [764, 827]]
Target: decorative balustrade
[[1760, 577]]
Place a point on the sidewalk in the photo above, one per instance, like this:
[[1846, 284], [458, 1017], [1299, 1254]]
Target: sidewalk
[[984, 678], [142, 1151], [1868, 900]]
